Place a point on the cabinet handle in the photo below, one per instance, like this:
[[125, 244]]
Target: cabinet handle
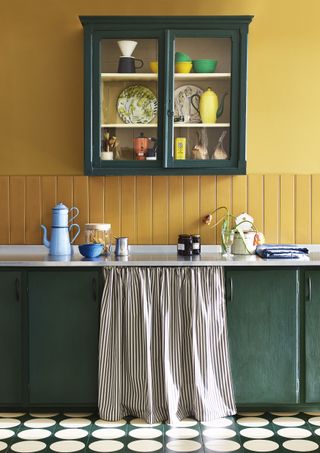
[[170, 113], [94, 289], [229, 290], [309, 290], [17, 285]]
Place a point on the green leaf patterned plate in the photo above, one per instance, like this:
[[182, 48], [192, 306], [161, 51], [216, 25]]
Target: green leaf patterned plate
[[137, 104]]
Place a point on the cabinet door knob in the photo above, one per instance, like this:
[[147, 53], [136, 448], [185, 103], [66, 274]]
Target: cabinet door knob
[[170, 113], [309, 290]]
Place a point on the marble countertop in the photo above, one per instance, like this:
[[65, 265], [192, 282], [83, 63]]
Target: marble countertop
[[143, 255]]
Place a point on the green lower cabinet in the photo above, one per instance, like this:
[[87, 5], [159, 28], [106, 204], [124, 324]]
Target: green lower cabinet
[[63, 337], [11, 369], [262, 307], [312, 336]]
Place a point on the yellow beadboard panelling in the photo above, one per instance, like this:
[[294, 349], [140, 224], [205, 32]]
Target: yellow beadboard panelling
[[175, 210], [144, 213], [48, 198], [303, 209], [154, 210], [112, 203], [239, 194], [81, 201], [208, 203], [96, 199], [315, 209], [17, 209], [128, 208], [287, 209], [271, 208], [255, 200], [65, 190], [160, 207], [5, 210], [224, 198], [33, 210], [191, 208]]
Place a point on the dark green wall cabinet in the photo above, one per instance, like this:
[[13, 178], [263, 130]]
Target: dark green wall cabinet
[[148, 109]]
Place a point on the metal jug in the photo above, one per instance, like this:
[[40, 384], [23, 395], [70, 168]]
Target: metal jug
[[60, 240], [121, 246]]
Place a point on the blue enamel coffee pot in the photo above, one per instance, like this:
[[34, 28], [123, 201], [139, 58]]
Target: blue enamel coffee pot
[[60, 243]]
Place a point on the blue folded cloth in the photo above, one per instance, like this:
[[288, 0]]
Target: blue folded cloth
[[281, 251]]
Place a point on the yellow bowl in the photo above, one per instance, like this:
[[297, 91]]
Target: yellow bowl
[[154, 66], [183, 66]]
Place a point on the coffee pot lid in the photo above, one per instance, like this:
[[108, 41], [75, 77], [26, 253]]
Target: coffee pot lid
[[60, 207]]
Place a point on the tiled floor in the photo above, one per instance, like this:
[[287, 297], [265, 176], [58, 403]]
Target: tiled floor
[[79, 432]]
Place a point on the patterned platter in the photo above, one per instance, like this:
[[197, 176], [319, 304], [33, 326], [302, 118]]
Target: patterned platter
[[137, 104], [182, 103]]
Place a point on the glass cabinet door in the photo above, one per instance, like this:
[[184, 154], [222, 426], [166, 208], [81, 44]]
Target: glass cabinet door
[[203, 73], [126, 102]]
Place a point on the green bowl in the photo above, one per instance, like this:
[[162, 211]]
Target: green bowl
[[181, 56], [204, 65]]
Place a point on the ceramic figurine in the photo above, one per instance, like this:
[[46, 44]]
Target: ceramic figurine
[[220, 153], [200, 150]]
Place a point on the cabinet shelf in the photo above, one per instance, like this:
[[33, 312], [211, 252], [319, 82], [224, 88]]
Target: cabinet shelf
[[127, 77], [129, 125], [142, 125], [201, 124]]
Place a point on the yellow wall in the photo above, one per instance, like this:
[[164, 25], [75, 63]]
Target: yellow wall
[[41, 80], [154, 210]]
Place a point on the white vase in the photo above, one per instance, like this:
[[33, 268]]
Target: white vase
[[238, 246]]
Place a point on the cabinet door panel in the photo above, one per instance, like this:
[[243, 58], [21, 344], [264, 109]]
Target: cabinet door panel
[[263, 335], [11, 338], [63, 329], [312, 336]]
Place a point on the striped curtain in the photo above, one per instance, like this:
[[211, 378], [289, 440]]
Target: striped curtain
[[163, 344]]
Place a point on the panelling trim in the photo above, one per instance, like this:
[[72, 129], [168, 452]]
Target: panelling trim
[[154, 210]]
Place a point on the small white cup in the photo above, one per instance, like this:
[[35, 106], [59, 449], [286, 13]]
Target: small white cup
[[106, 155]]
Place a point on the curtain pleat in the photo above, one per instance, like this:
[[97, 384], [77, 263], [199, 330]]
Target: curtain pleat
[[163, 352]]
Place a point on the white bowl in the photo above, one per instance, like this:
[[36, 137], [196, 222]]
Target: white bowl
[[127, 47]]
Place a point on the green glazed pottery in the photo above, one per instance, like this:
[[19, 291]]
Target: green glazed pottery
[[204, 65], [181, 56]]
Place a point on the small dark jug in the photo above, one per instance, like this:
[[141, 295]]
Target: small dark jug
[[128, 64]]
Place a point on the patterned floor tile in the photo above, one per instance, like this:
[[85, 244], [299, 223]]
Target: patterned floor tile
[[247, 432]]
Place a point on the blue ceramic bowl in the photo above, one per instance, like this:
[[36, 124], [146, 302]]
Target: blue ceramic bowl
[[91, 250]]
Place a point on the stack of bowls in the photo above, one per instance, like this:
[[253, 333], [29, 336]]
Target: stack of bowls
[[183, 63]]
